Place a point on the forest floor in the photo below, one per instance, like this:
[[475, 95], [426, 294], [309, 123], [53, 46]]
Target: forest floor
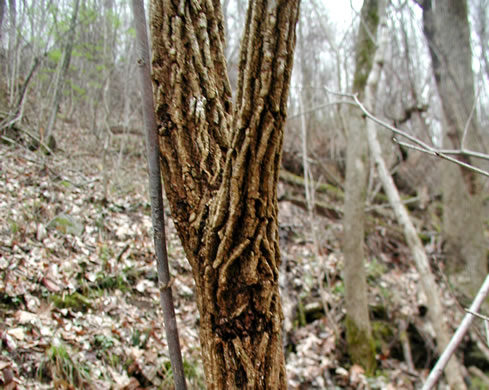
[[79, 303]]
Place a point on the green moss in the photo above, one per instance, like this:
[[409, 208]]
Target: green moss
[[67, 225], [477, 384], [301, 314], [74, 301], [14, 226], [192, 372], [360, 346], [365, 47], [382, 334], [375, 269], [108, 282], [339, 288]]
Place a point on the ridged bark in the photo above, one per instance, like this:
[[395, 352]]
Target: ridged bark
[[220, 164]]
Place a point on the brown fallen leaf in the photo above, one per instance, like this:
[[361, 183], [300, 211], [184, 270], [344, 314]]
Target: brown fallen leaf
[[25, 317], [50, 284], [132, 385]]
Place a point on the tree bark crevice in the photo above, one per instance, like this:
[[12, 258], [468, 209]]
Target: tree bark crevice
[[220, 165]]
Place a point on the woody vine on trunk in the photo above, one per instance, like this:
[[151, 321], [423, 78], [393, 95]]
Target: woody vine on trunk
[[220, 163]]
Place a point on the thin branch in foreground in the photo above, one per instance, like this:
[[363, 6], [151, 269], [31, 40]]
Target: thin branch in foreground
[[457, 337], [467, 124], [424, 147], [318, 108], [464, 152], [482, 317], [156, 196], [439, 153], [417, 144]]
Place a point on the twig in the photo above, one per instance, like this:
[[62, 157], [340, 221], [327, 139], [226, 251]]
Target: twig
[[438, 153], [9, 140], [319, 107], [457, 337], [406, 347], [424, 146], [27, 132], [467, 124], [464, 152], [418, 144], [486, 328], [482, 317]]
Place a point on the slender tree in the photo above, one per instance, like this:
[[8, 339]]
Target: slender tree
[[60, 77], [453, 370], [220, 163], [12, 49], [482, 27], [447, 31], [2, 12], [358, 331], [156, 196]]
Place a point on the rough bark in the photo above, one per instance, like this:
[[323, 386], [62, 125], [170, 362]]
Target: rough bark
[[446, 28], [220, 166], [436, 314], [358, 330]]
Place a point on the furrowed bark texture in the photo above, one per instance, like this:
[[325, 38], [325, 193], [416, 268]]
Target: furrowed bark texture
[[220, 164], [358, 330], [447, 31]]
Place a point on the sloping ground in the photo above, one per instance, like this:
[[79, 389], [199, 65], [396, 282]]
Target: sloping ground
[[79, 306]]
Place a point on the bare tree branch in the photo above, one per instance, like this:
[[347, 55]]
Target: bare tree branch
[[457, 337], [420, 145]]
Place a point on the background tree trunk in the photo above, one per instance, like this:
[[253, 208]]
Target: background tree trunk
[[63, 70], [436, 314], [2, 12], [358, 331], [447, 30], [12, 50], [221, 170]]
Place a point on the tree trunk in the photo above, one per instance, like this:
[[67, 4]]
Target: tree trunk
[[220, 166], [446, 28], [2, 12], [435, 308], [12, 51], [63, 70], [358, 331], [481, 22]]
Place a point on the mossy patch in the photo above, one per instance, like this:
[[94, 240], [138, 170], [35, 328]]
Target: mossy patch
[[361, 346], [75, 301], [66, 224]]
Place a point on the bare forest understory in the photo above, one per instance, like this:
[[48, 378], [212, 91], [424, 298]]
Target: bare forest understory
[[79, 303]]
